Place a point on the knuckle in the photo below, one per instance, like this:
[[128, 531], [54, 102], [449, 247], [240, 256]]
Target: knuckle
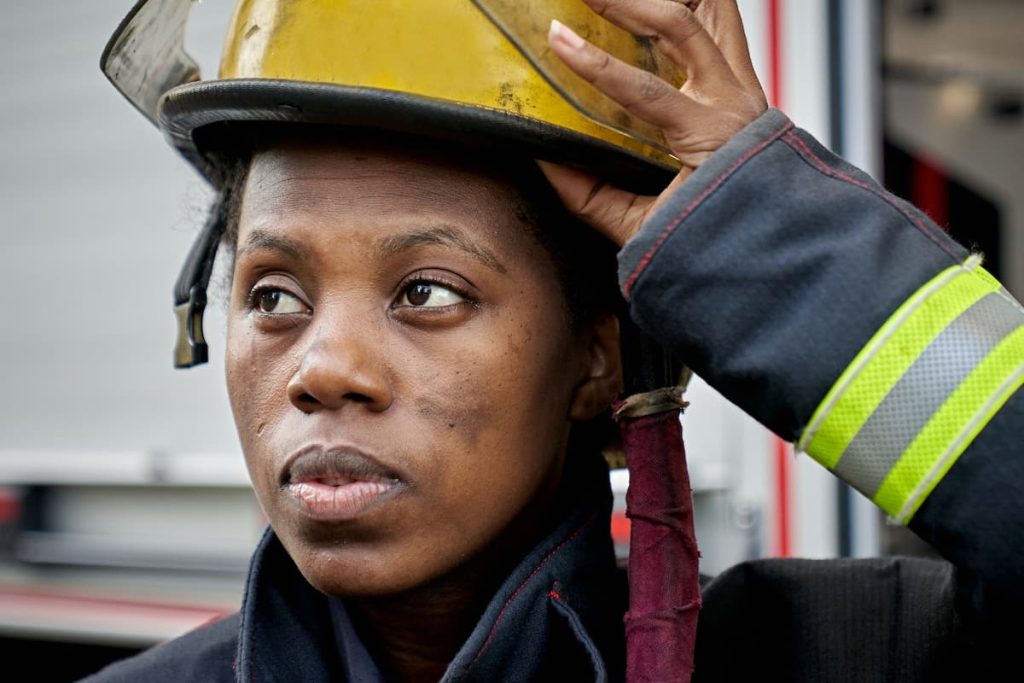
[[684, 23], [590, 206], [594, 68], [651, 89], [601, 66]]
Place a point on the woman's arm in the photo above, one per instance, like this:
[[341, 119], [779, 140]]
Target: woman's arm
[[833, 312], [842, 318]]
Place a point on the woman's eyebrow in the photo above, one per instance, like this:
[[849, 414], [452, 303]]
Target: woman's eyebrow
[[442, 234], [263, 240]]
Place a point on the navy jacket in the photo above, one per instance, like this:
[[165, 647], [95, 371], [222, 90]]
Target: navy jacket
[[767, 272]]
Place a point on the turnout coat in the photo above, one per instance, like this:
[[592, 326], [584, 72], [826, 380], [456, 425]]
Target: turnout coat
[[780, 274]]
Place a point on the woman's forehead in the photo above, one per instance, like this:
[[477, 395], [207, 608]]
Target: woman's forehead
[[366, 191], [374, 177]]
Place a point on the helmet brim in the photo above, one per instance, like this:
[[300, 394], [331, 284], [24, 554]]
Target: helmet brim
[[197, 119]]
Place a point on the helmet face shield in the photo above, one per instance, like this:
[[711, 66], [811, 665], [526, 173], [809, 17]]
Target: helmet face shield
[[146, 55], [525, 23]]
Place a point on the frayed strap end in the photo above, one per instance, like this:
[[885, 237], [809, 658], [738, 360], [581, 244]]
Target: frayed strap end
[[649, 403]]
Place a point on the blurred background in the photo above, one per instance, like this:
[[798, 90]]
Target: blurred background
[[126, 516]]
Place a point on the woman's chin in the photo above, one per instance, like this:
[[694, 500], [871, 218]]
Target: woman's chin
[[360, 569]]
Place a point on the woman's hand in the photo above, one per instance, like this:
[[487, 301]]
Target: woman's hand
[[720, 97]]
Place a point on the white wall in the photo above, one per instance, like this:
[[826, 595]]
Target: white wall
[[97, 213]]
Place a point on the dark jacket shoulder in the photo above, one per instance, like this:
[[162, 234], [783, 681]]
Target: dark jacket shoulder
[[204, 654], [876, 619]]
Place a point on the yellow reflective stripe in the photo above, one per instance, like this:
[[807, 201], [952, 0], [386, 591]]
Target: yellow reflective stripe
[[888, 355], [924, 387], [952, 428]]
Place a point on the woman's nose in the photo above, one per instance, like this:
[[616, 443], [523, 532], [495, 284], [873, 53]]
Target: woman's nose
[[340, 368]]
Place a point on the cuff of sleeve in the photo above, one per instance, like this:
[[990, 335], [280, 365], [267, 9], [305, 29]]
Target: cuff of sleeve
[[638, 253], [773, 265]]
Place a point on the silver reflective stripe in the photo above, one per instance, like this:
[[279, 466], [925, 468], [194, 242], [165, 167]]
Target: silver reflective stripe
[[922, 390]]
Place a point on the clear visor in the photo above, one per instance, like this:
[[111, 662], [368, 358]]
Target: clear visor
[[526, 23], [146, 55]]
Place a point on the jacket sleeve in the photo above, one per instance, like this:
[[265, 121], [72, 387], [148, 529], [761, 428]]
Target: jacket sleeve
[[843, 319]]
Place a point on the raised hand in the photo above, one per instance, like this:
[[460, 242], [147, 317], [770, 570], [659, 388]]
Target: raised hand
[[720, 96]]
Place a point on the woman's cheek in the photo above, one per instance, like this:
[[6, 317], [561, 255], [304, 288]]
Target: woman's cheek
[[257, 390], [459, 407]]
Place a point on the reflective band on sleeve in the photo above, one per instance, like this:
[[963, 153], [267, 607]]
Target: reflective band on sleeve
[[919, 392], [922, 389], [953, 427]]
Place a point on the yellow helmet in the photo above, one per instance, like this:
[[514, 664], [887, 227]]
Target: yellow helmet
[[471, 71]]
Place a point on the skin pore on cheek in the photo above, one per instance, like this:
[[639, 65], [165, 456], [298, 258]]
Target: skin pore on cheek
[[468, 416]]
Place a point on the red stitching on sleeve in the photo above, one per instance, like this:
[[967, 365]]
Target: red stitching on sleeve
[[722, 177], [519, 589], [804, 150]]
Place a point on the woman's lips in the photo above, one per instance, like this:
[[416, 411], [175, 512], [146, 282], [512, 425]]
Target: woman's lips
[[337, 502], [336, 484]]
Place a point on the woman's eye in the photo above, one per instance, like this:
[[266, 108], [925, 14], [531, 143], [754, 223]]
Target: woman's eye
[[429, 295], [277, 302]]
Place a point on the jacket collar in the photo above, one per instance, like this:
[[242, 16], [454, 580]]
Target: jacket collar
[[559, 612]]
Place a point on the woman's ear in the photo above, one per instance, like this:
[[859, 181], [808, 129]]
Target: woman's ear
[[601, 382]]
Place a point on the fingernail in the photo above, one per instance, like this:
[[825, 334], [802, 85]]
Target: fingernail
[[565, 35]]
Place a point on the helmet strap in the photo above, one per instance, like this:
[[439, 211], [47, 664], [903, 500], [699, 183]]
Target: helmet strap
[[190, 289], [664, 582]]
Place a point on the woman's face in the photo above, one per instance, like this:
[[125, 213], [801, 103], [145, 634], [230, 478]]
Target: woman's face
[[400, 364]]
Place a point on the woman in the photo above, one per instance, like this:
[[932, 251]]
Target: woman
[[420, 366], [412, 343]]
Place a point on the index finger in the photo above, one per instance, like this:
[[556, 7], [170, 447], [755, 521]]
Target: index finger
[[638, 91], [674, 29]]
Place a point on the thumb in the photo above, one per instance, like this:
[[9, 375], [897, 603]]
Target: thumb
[[612, 211]]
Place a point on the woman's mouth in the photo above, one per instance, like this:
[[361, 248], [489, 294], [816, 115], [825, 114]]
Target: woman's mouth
[[336, 485], [337, 502]]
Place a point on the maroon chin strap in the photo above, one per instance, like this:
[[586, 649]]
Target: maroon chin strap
[[664, 586]]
